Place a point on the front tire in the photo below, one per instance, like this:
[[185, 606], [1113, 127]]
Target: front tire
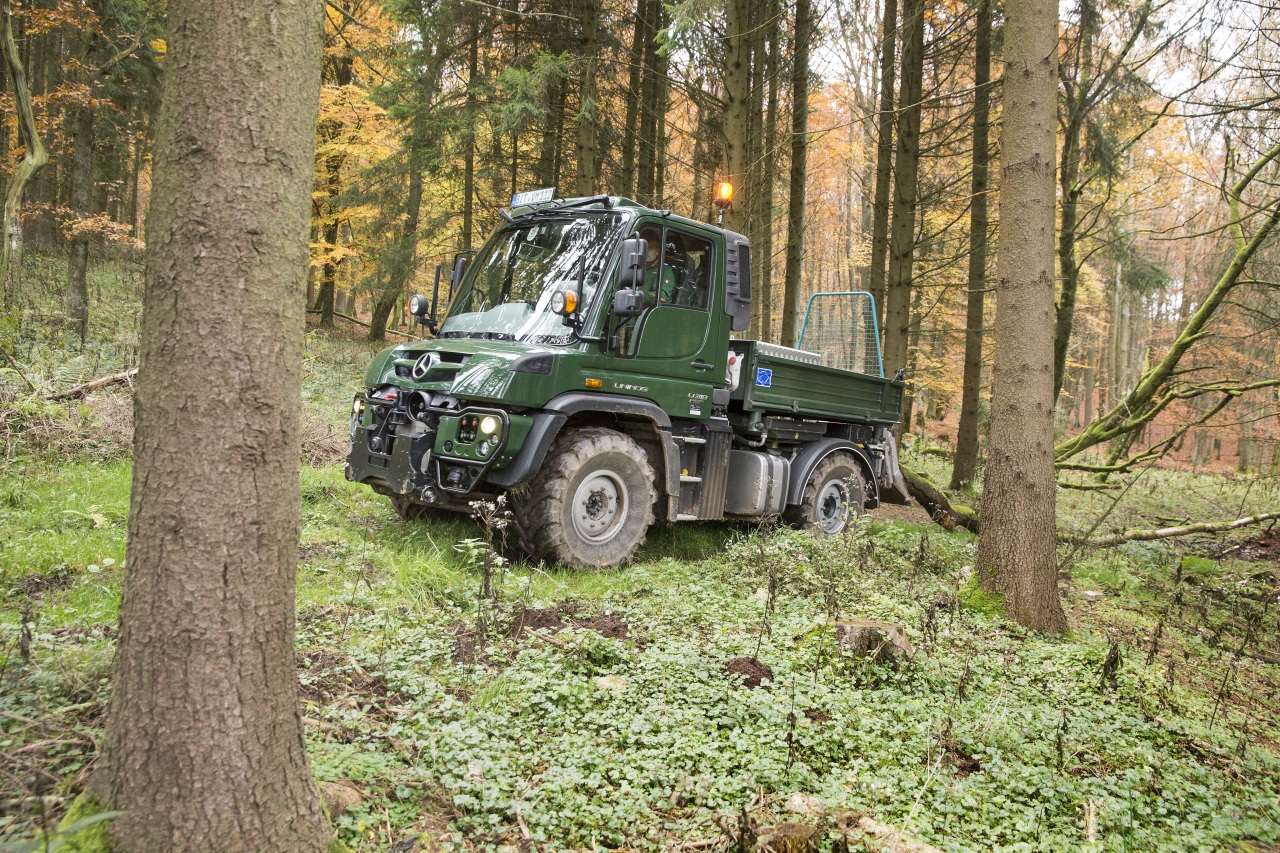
[[591, 504], [834, 495]]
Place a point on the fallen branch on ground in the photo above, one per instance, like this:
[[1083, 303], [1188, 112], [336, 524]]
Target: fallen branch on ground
[[94, 385], [936, 504], [351, 319], [1185, 530]]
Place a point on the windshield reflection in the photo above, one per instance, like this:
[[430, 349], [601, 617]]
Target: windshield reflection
[[507, 295]]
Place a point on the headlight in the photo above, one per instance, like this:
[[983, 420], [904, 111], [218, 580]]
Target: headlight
[[357, 411], [489, 425]]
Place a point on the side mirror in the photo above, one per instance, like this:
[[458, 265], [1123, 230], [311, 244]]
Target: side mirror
[[628, 302], [459, 270], [635, 253]]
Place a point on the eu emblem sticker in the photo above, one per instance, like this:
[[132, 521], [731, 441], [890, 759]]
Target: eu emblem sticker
[[764, 377]]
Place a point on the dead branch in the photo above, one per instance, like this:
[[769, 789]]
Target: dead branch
[[351, 319], [94, 385], [936, 504], [1185, 530]]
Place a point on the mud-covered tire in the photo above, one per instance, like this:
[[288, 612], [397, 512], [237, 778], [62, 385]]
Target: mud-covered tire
[[836, 492], [591, 504]]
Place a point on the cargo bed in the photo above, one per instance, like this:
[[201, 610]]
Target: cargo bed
[[780, 380]]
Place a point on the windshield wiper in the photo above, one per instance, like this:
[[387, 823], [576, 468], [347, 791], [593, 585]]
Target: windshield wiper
[[563, 205]]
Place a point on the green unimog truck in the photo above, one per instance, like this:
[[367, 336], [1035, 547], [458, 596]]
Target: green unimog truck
[[587, 368]]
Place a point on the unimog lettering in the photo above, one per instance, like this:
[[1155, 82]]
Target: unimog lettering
[[507, 398]]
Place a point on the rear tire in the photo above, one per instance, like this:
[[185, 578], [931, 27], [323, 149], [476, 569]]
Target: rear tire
[[835, 494], [591, 504]]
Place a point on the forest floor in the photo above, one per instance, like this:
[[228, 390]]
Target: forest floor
[[700, 693]]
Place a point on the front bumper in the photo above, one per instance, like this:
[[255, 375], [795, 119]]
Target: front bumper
[[403, 444]]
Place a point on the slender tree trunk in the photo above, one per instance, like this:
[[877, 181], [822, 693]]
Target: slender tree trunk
[[588, 112], [404, 263], [884, 159], [737, 95], [966, 458], [81, 191], [769, 174], [34, 160], [634, 77], [469, 136], [1017, 548], [203, 747], [799, 171], [905, 171]]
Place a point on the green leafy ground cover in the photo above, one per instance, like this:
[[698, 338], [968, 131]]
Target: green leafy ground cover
[[616, 726], [593, 711]]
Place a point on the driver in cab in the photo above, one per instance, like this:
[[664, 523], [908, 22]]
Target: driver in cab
[[653, 289]]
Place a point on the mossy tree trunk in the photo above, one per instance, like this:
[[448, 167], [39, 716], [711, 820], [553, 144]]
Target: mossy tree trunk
[[203, 747], [1017, 548]]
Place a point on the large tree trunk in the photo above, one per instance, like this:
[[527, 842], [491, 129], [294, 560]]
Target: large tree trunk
[[905, 171], [799, 172], [966, 459], [884, 159], [1016, 551], [203, 747]]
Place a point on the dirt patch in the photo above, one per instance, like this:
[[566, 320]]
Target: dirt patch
[[610, 626], [534, 619], [327, 675], [91, 632], [753, 672], [816, 716], [1265, 547], [911, 512], [36, 584], [322, 442]]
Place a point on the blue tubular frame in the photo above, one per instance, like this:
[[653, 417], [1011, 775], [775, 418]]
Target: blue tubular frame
[[875, 322]]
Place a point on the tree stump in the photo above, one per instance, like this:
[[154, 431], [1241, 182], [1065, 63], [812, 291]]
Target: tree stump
[[873, 640]]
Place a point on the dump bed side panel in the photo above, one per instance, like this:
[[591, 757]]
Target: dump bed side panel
[[774, 381]]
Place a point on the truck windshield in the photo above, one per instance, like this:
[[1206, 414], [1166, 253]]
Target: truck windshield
[[507, 294]]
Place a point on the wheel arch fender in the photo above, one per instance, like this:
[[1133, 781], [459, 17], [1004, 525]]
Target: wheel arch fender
[[571, 407], [811, 455]]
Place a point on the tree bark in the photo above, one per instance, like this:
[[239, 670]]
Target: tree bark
[[884, 159], [203, 747], [799, 171], [905, 173], [1017, 550], [966, 461]]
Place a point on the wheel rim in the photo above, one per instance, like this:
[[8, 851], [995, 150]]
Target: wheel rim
[[833, 507], [600, 507]]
